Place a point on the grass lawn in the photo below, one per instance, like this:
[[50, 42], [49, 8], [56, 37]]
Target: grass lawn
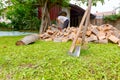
[[50, 61]]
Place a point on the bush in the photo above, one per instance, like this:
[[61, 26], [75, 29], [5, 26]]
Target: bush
[[23, 16], [3, 24], [112, 17]]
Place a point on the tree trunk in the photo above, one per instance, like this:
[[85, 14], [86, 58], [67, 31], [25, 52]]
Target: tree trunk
[[45, 22]]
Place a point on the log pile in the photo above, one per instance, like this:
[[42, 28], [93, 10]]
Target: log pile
[[99, 34]]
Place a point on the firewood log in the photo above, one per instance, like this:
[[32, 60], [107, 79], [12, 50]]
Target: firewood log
[[113, 39], [28, 39], [100, 34]]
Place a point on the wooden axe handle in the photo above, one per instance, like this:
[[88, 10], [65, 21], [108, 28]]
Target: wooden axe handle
[[78, 32]]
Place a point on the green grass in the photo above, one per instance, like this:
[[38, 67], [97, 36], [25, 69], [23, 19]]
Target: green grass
[[50, 61]]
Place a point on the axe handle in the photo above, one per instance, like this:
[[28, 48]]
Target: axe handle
[[78, 32], [80, 26]]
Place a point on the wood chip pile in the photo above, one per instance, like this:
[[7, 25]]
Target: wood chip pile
[[100, 34]]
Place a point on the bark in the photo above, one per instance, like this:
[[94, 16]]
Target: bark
[[45, 22], [28, 39]]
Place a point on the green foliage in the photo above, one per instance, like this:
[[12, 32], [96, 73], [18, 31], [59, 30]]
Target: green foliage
[[50, 61], [51, 3], [112, 17], [3, 24], [94, 2], [1, 4], [65, 3], [23, 15]]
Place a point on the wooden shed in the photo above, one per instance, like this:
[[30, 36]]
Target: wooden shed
[[74, 13]]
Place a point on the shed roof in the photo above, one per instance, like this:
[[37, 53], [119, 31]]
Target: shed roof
[[76, 11]]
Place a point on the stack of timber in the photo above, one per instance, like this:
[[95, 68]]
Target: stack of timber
[[100, 34]]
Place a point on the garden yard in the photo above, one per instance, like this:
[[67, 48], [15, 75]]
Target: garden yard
[[50, 61]]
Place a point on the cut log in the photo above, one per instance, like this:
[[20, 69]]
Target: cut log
[[107, 27], [72, 36], [50, 32], [113, 39], [57, 40], [65, 34], [116, 33], [74, 30], [104, 41], [119, 43], [45, 36], [108, 34], [100, 28], [65, 39], [101, 35], [28, 39], [119, 36], [88, 33], [49, 39], [92, 38], [94, 26], [95, 31]]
